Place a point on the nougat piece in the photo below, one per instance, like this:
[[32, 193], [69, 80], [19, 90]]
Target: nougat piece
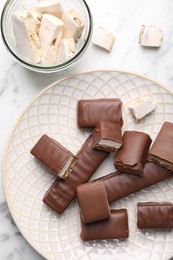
[[155, 215], [116, 227], [50, 7], [161, 151], [93, 202], [66, 50], [103, 38], [132, 155], [91, 111], [108, 136], [141, 107], [56, 157], [73, 24], [150, 36], [50, 35], [26, 23]]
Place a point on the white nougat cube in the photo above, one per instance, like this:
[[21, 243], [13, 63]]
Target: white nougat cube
[[50, 7], [50, 34], [26, 24], [150, 36], [73, 24], [141, 107], [103, 38], [66, 50]]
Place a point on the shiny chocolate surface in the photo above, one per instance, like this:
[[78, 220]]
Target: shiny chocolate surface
[[161, 150], [157, 215], [93, 202], [119, 185], [114, 227], [90, 112], [62, 192], [132, 155]]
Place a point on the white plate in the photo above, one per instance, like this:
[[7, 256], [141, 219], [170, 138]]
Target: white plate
[[26, 180]]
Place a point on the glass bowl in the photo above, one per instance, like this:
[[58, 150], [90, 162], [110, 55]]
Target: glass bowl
[[10, 42]]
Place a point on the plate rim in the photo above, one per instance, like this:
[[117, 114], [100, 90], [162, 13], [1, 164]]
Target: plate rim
[[5, 153]]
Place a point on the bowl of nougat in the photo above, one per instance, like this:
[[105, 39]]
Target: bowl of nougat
[[46, 35]]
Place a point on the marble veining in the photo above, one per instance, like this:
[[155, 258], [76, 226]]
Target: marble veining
[[18, 85]]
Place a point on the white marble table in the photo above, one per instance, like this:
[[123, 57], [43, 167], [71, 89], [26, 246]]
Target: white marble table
[[18, 85]]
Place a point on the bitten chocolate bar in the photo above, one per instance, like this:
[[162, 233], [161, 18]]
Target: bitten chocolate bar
[[56, 157], [90, 112], [132, 155], [108, 136], [156, 215], [119, 185], [114, 227], [93, 202], [61, 193], [161, 151]]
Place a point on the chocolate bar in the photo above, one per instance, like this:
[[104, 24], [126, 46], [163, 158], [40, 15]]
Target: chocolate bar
[[132, 155], [157, 215], [119, 185], [62, 192], [56, 157], [90, 112], [161, 151], [114, 227], [93, 202], [108, 136]]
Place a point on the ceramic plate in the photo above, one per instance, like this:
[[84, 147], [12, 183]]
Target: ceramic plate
[[53, 112]]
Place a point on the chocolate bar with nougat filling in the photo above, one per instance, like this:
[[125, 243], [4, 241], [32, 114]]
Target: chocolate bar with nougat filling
[[108, 136], [56, 157], [161, 151], [91, 112], [62, 192], [132, 155]]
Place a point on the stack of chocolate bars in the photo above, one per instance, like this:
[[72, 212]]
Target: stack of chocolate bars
[[136, 166]]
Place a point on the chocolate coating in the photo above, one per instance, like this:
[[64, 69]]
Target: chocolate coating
[[109, 131], [61, 193], [155, 215], [52, 154], [119, 185], [132, 155], [90, 112], [93, 202], [161, 151], [114, 227]]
